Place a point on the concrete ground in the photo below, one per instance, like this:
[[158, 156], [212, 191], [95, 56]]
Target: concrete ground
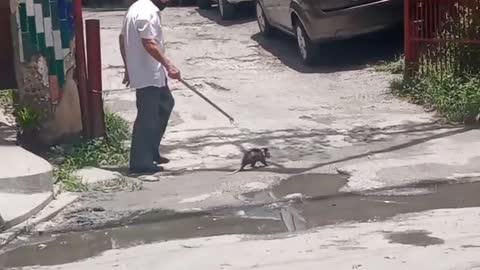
[[337, 117], [436, 240]]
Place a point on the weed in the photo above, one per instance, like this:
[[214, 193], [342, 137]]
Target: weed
[[28, 119], [6, 97], [6, 102], [457, 98], [64, 176], [118, 184], [394, 67], [447, 74], [108, 151]]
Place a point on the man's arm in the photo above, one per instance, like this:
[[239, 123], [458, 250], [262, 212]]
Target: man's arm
[[121, 42], [151, 46], [146, 29]]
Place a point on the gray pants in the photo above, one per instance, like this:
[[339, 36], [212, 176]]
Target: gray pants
[[154, 106]]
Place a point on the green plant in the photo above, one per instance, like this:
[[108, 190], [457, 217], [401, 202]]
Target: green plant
[[395, 67], [28, 119], [108, 151], [457, 98], [64, 176], [448, 78], [6, 101], [6, 97]]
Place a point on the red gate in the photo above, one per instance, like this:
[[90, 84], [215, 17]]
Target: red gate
[[442, 36]]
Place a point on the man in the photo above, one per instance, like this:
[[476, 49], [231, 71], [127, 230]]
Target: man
[[146, 68]]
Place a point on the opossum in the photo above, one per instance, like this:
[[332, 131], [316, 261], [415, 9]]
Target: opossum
[[252, 156]]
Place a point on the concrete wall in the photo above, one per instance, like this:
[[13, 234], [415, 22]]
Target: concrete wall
[[43, 36]]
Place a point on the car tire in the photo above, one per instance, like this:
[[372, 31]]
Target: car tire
[[308, 50], [227, 9], [184, 3], [265, 27], [204, 4]]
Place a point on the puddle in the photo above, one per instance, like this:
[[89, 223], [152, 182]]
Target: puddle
[[71, 247], [362, 208], [414, 238], [305, 185], [327, 207]]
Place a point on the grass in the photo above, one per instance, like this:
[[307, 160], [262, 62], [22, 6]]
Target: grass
[[457, 98], [6, 100], [394, 67], [454, 90], [108, 151]]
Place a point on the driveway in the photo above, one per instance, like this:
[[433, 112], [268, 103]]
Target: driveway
[[336, 117]]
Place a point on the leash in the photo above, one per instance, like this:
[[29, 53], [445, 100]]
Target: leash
[[232, 121], [230, 118]]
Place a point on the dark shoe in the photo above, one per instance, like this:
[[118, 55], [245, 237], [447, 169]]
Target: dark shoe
[[148, 170], [161, 160]]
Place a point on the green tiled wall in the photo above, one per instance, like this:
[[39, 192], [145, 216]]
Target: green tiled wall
[[46, 28]]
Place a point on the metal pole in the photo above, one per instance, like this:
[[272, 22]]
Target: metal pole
[[81, 70], [207, 100], [95, 78], [409, 56]]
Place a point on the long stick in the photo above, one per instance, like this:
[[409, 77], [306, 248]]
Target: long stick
[[207, 100]]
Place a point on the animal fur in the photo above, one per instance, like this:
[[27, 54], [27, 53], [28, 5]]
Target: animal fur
[[252, 157]]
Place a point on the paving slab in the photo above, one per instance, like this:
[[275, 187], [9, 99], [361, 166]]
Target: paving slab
[[92, 176], [49, 211], [26, 180], [23, 172], [16, 208]]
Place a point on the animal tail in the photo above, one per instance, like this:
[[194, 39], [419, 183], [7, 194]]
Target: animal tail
[[236, 171]]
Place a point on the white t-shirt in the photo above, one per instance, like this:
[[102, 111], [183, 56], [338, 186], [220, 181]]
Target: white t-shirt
[[143, 21]]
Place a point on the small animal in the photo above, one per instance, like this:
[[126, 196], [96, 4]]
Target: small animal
[[252, 156]]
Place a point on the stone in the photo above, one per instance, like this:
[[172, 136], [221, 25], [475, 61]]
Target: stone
[[2, 222], [148, 178], [92, 176]]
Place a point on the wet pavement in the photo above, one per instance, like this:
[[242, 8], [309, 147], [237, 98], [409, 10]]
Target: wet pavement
[[303, 202], [415, 238]]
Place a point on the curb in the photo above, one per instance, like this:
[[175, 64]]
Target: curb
[[32, 212], [28, 184], [50, 211]]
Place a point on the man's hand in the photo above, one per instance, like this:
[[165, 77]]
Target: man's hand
[[173, 72], [126, 78]]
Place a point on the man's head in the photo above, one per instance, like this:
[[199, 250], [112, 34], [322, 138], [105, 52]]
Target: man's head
[[161, 4]]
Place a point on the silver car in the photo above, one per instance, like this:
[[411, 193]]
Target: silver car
[[315, 21], [226, 7]]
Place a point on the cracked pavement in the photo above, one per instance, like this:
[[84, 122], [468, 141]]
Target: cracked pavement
[[337, 117]]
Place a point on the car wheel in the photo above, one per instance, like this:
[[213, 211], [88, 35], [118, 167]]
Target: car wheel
[[184, 3], [307, 49], [227, 10], [263, 24], [204, 4]]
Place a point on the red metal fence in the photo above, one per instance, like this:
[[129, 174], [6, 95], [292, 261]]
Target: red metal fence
[[442, 36]]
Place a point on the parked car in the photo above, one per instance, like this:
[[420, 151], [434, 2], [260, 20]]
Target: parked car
[[316, 21], [226, 7]]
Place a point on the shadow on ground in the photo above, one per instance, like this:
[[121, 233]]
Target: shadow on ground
[[7, 134], [245, 13], [351, 54], [309, 145]]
